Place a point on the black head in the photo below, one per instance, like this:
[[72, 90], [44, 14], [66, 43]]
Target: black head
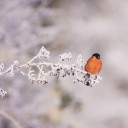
[[97, 55]]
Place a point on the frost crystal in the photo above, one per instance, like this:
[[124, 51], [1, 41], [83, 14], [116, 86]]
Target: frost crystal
[[44, 53], [36, 70], [65, 56], [2, 92], [80, 61]]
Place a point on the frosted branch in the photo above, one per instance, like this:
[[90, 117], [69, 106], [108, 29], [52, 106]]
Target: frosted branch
[[35, 69]]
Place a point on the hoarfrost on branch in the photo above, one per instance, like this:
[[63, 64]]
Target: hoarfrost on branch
[[57, 70]]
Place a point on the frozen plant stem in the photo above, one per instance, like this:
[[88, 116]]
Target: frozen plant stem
[[57, 70]]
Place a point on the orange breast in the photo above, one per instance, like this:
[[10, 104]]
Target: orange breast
[[93, 65]]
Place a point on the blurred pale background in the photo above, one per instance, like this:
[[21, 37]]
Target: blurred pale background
[[76, 26]]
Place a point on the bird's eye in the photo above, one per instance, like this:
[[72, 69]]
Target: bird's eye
[[98, 57]]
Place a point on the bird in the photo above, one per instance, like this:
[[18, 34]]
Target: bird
[[94, 64]]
